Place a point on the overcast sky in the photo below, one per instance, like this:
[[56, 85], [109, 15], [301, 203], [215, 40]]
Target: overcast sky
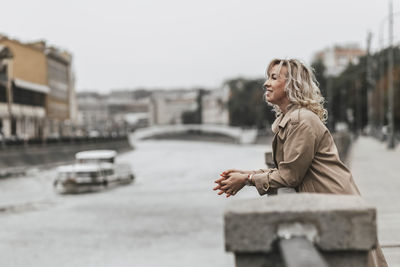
[[184, 43]]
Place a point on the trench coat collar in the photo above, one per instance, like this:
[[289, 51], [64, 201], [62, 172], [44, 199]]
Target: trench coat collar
[[283, 119]]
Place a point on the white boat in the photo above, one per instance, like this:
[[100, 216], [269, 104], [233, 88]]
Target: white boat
[[96, 156], [94, 169], [79, 178], [115, 172]]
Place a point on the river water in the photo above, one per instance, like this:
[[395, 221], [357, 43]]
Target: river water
[[169, 216]]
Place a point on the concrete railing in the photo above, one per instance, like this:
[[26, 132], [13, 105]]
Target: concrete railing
[[282, 230]]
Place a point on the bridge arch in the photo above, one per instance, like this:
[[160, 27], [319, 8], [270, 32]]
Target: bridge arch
[[242, 136]]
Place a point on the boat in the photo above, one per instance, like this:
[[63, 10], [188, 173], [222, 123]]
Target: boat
[[78, 178], [93, 170], [96, 156], [114, 172]]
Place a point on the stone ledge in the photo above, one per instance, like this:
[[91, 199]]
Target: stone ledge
[[344, 222]]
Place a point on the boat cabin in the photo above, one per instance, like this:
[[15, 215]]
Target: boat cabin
[[96, 156]]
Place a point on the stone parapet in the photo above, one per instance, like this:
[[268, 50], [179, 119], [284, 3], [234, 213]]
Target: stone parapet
[[344, 226]]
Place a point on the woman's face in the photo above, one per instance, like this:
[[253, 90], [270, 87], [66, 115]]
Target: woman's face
[[275, 87]]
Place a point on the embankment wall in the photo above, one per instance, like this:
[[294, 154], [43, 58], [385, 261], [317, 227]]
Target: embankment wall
[[21, 157]]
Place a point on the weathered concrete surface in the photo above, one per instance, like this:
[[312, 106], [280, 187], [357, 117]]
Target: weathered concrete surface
[[343, 222]]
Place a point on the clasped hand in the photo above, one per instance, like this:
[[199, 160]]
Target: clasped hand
[[231, 182]]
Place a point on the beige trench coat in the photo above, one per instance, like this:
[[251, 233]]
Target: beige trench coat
[[307, 159]]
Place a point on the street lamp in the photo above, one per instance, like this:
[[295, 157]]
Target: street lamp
[[390, 98], [391, 141]]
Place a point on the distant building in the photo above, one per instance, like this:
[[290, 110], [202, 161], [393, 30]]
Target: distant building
[[73, 102], [117, 112], [215, 106], [42, 90], [61, 87], [29, 89], [337, 58], [122, 102], [167, 107], [123, 111], [93, 116], [129, 108]]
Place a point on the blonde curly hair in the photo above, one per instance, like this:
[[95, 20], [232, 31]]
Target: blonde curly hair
[[301, 87]]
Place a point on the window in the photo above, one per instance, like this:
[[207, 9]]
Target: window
[[28, 97], [3, 96]]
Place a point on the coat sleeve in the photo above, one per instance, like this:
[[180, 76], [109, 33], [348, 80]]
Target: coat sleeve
[[298, 154]]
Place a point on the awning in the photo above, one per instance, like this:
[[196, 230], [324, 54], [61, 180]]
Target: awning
[[32, 86]]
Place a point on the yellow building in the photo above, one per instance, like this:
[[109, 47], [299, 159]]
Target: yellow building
[[28, 74], [42, 91]]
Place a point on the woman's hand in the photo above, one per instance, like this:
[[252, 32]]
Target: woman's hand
[[230, 183], [225, 175], [229, 171]]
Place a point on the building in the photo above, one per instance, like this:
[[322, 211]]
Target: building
[[61, 85], [168, 107], [118, 112], [5, 89], [129, 108], [126, 101], [73, 103], [337, 58], [215, 106], [93, 116], [42, 86], [27, 77]]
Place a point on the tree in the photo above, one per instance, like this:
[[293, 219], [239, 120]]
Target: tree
[[247, 107], [349, 92], [319, 70]]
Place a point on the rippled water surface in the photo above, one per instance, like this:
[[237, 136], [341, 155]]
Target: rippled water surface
[[169, 216]]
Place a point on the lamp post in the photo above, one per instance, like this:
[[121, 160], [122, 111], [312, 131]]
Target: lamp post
[[390, 98], [391, 141], [370, 84], [381, 87]]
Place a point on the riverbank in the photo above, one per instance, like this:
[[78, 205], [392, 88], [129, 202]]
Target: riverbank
[[16, 160]]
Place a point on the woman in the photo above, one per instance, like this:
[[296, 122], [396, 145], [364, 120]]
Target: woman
[[303, 148]]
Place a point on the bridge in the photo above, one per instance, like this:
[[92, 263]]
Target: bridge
[[242, 136]]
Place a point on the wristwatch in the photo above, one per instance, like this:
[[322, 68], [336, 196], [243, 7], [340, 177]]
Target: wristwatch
[[249, 180]]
